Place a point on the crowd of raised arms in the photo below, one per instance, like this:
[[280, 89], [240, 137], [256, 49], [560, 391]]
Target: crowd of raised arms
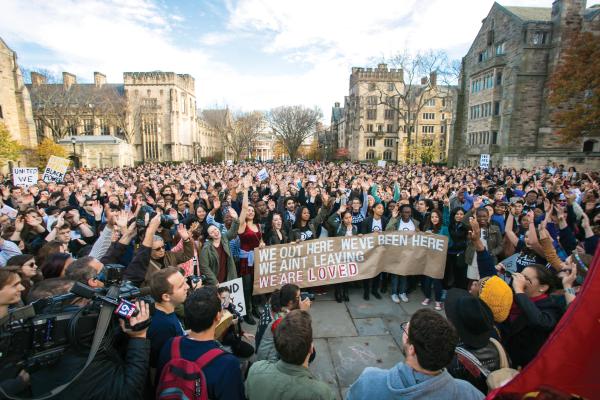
[[520, 243]]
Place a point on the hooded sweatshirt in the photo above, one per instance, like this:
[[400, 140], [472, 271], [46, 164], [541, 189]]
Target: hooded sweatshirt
[[403, 382]]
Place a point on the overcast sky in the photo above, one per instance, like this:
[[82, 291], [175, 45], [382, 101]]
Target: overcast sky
[[248, 54]]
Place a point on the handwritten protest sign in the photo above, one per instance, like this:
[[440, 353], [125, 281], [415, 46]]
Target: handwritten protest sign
[[484, 161], [11, 212], [262, 174], [25, 177], [236, 290], [381, 163], [344, 259], [56, 169]]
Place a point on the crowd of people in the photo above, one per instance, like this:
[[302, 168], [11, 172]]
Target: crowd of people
[[520, 243]]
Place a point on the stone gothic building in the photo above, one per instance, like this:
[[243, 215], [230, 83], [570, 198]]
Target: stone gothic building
[[502, 107], [15, 103], [376, 124]]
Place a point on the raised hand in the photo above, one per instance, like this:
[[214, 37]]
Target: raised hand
[[183, 233], [233, 213], [97, 209]]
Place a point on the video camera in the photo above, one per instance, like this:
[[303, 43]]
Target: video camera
[[165, 221], [37, 335]]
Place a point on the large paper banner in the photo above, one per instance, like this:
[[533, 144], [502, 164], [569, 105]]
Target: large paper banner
[[236, 292], [56, 169], [25, 177], [343, 259]]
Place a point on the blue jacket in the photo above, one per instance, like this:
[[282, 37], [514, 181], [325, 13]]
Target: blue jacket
[[402, 382]]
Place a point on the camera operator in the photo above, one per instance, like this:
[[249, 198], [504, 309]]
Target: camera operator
[[151, 257], [10, 294], [290, 299], [169, 289], [118, 371]]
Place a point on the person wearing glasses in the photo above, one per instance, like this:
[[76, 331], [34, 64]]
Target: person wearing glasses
[[25, 266], [151, 257], [428, 343]]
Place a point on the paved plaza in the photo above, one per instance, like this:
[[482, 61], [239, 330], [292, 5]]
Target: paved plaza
[[358, 334]]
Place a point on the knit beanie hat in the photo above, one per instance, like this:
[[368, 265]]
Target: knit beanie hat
[[497, 295]]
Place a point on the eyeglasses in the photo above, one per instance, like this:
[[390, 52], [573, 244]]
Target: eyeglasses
[[159, 248], [404, 327]]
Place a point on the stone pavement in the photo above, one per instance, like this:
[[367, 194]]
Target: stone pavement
[[358, 334], [352, 336]]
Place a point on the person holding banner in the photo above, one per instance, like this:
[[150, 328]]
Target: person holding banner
[[341, 222], [405, 223], [250, 238], [375, 223], [436, 222]]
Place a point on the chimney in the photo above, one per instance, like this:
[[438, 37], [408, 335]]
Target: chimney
[[433, 78], [424, 80], [337, 104], [38, 79], [99, 79], [68, 80]]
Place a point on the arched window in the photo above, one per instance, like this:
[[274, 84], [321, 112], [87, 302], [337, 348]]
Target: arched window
[[370, 155], [387, 155], [589, 146]]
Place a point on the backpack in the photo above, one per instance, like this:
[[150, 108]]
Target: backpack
[[182, 379]]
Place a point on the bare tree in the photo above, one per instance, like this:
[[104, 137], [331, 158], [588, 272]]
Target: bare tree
[[427, 75], [221, 122], [60, 109], [244, 131], [124, 112], [293, 125]]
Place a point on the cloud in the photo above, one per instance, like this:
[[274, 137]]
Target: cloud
[[317, 40]]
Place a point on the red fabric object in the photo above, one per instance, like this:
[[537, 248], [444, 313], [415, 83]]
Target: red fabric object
[[569, 361]]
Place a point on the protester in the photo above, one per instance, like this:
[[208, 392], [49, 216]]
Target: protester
[[202, 315], [288, 298], [428, 343], [169, 290], [288, 378], [74, 227]]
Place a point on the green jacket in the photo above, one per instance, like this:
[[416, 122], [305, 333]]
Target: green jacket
[[283, 381], [209, 257]]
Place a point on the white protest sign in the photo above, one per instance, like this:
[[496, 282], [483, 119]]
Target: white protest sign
[[56, 169], [236, 290], [25, 177], [229, 163], [101, 182], [6, 210], [381, 163], [484, 161], [262, 174], [312, 178]]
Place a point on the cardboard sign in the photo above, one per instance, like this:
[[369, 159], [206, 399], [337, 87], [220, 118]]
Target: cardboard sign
[[236, 290], [25, 177], [6, 210], [262, 175], [344, 259], [484, 161], [56, 169], [381, 163], [312, 178]]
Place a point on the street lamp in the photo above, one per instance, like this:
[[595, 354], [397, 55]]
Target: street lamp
[[75, 159]]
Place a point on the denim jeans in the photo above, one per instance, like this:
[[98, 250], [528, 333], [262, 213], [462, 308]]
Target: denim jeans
[[426, 283], [399, 284]]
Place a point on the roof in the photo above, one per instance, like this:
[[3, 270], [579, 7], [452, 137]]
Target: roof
[[531, 13], [216, 118], [101, 139], [79, 93]]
